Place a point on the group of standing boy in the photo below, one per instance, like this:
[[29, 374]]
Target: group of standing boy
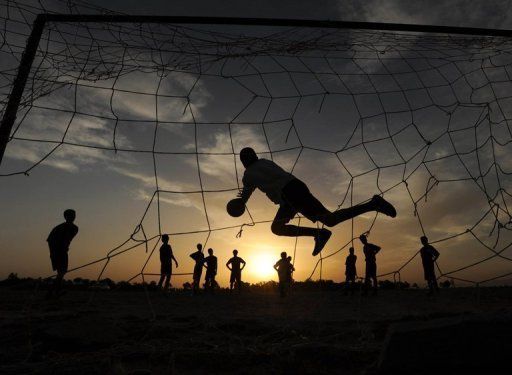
[[234, 264], [427, 253], [61, 236]]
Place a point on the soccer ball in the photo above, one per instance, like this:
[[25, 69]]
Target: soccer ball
[[236, 207]]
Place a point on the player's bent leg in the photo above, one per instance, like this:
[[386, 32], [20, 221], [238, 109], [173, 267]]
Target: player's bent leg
[[321, 236], [281, 229], [311, 208]]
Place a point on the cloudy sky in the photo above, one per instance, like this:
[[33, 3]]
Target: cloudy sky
[[351, 113]]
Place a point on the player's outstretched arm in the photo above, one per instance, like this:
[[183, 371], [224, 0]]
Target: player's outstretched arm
[[246, 191], [436, 253], [75, 232]]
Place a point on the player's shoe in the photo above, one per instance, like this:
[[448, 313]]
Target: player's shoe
[[383, 206], [320, 240]]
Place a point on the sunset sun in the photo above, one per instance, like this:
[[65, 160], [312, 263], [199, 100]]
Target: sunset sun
[[261, 266]]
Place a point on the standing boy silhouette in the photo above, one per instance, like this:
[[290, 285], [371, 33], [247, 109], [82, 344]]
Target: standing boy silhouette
[[211, 270], [59, 240], [429, 255], [235, 265], [370, 251], [166, 258], [198, 257], [350, 270]]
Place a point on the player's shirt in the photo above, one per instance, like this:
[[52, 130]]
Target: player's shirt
[[211, 263], [283, 267], [236, 263], [369, 251], [198, 257], [165, 253], [350, 264], [61, 236], [198, 267], [428, 253], [267, 176]]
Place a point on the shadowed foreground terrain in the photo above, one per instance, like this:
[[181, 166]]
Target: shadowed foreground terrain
[[461, 331]]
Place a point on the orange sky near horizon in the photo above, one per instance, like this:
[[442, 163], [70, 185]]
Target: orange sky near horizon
[[106, 223]]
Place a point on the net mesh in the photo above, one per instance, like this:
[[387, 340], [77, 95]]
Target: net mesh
[[417, 118]]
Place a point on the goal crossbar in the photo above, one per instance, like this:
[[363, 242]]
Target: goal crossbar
[[275, 22]]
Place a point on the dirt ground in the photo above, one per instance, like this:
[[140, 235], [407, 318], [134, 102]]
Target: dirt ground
[[133, 332]]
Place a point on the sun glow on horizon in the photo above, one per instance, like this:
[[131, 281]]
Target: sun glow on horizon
[[261, 266]]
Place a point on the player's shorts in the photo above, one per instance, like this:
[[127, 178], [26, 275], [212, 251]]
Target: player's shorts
[[429, 272], [235, 277], [283, 277], [198, 271], [59, 261], [350, 277], [166, 268], [298, 198], [210, 275], [371, 270]]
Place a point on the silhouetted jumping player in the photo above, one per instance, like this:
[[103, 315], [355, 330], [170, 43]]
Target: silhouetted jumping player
[[235, 265], [293, 196], [429, 255], [198, 257], [211, 270], [370, 250], [166, 258], [284, 271], [350, 270], [59, 240]]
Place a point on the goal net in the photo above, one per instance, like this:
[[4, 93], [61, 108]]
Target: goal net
[[138, 126]]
